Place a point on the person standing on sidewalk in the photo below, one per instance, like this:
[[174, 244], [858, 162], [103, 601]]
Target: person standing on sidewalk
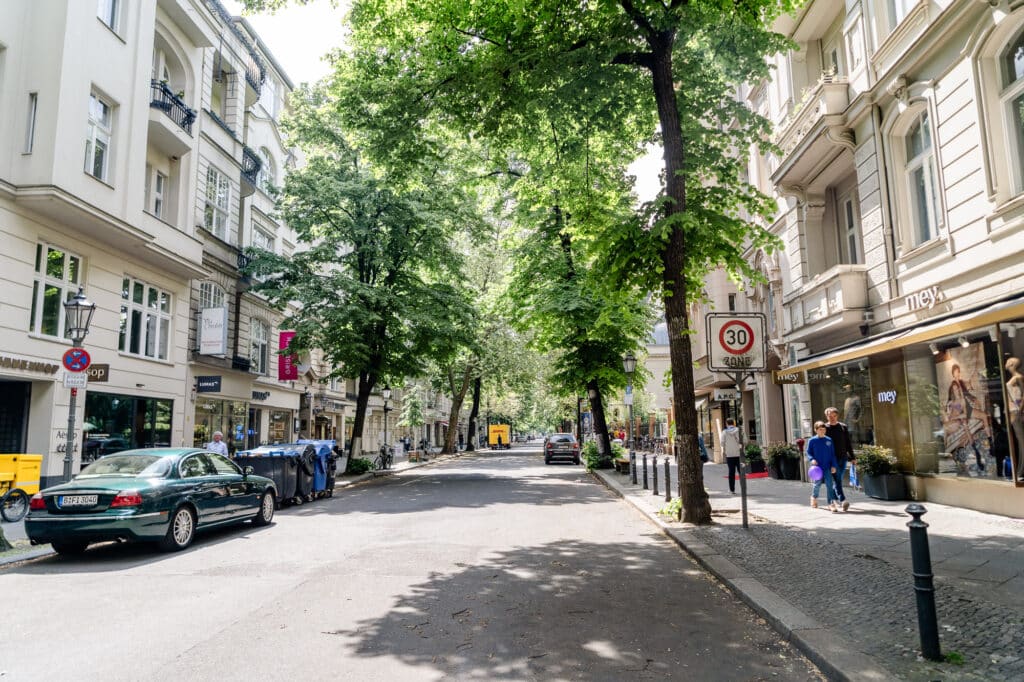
[[733, 448], [840, 435], [821, 452]]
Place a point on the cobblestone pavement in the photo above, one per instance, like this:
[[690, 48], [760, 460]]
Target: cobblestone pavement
[[863, 558]]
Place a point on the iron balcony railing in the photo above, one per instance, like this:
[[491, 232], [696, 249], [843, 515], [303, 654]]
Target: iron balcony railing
[[251, 165], [169, 103], [255, 71]]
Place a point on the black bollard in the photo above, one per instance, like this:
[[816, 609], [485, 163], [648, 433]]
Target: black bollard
[[924, 586], [668, 487], [645, 471], [654, 472], [632, 465]]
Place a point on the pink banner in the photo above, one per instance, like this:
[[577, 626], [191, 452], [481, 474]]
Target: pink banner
[[287, 369]]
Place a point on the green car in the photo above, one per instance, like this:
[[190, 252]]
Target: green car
[[161, 495]]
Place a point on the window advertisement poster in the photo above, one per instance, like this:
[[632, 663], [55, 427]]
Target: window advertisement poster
[[966, 424], [213, 331], [287, 365]]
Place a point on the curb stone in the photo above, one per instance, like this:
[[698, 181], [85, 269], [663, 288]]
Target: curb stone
[[826, 649]]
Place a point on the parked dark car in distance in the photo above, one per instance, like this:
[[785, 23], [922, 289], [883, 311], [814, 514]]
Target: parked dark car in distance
[[162, 495], [561, 447]]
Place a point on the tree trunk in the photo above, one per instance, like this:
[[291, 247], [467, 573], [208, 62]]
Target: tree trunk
[[458, 397], [696, 505], [366, 384], [604, 443], [473, 414]]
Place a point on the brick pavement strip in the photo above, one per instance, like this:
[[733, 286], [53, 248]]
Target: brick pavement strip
[[866, 627]]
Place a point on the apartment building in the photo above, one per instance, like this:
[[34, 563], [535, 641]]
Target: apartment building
[[898, 294], [140, 151]]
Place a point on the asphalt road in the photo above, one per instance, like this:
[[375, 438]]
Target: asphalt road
[[485, 567]]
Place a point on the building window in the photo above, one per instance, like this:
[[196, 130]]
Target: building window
[[218, 196], [259, 334], [920, 177], [57, 278], [262, 238], [210, 295], [849, 231], [30, 123], [156, 187], [97, 142], [267, 177], [1012, 101], [145, 320], [732, 303], [898, 11], [108, 11]]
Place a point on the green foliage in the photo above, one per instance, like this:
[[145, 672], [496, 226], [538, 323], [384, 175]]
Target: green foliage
[[954, 657], [674, 508], [358, 465], [593, 460], [412, 407], [875, 460], [752, 452], [778, 451]]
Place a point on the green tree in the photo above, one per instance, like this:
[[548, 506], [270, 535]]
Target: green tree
[[497, 69], [372, 281]]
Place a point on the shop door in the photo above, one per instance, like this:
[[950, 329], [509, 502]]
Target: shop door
[[14, 397]]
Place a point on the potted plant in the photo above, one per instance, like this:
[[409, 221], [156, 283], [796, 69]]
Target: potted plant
[[752, 456], [783, 461], [876, 470]]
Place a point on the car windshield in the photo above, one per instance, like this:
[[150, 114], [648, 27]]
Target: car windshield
[[143, 466], [562, 438]]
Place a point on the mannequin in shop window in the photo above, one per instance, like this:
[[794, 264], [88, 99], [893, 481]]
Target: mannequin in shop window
[[852, 413], [1015, 394], [962, 408]]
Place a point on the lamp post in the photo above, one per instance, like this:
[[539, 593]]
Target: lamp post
[[629, 364], [386, 393], [78, 315]]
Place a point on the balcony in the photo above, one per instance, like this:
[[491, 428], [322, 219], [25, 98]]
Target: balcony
[[815, 132], [836, 299], [251, 165], [170, 121], [255, 71]]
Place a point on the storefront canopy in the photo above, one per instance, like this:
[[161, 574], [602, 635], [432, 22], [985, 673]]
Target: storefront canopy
[[923, 332]]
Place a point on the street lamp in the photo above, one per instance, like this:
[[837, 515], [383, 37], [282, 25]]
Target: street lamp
[[629, 364], [78, 315], [386, 393]]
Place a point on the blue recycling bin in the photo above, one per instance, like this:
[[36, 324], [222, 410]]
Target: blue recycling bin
[[279, 463], [323, 466]]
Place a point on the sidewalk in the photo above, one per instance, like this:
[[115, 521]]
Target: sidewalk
[[866, 628]]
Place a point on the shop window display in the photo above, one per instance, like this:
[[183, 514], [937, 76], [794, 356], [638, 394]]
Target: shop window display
[[230, 417], [1008, 445], [847, 388]]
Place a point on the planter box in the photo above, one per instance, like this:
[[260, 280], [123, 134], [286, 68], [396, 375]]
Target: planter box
[[785, 469], [885, 487], [756, 466]]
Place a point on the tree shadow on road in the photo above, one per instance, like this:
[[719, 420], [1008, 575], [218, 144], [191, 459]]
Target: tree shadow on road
[[576, 610]]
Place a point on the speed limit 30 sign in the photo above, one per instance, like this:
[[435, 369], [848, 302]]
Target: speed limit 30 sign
[[736, 341]]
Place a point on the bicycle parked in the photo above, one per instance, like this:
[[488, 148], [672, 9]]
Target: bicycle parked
[[385, 458]]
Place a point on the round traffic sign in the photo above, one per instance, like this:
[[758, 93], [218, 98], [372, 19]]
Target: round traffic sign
[[76, 360], [736, 337]]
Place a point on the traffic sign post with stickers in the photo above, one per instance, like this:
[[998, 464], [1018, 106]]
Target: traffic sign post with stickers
[[737, 347]]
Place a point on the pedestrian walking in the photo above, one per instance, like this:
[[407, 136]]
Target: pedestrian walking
[[217, 444], [843, 444], [703, 448], [821, 453], [732, 447]]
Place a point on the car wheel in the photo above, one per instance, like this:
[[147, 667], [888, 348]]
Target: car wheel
[[14, 505], [576, 461], [266, 512], [69, 547], [180, 531]]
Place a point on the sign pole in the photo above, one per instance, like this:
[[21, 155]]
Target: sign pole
[[737, 378]]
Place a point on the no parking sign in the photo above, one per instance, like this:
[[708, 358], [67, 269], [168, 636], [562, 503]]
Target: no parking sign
[[736, 341]]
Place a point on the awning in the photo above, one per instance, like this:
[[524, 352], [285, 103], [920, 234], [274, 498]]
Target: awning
[[923, 332]]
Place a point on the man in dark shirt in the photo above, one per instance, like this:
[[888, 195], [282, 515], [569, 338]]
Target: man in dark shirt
[[840, 435]]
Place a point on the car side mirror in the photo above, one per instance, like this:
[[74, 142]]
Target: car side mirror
[[248, 470]]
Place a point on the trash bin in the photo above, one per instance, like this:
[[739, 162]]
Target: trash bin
[[306, 460], [279, 463], [324, 466]]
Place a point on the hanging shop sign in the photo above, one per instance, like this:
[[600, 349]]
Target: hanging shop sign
[[287, 365], [725, 395], [98, 372], [213, 331]]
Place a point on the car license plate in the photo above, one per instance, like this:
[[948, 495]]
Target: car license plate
[[77, 500]]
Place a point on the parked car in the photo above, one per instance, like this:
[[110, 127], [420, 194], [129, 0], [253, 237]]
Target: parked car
[[161, 495], [561, 446]]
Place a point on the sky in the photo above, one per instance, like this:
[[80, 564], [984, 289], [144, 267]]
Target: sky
[[300, 35]]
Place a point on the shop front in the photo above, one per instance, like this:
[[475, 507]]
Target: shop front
[[115, 422], [946, 397]]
